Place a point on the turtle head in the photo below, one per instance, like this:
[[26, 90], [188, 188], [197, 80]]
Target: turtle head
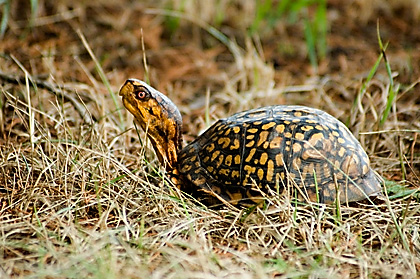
[[158, 117]]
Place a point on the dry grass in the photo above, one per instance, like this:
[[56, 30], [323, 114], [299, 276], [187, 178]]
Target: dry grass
[[82, 197]]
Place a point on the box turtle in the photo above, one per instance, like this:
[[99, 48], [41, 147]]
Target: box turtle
[[256, 153]]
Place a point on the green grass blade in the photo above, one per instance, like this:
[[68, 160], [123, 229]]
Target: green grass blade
[[262, 10], [5, 17], [321, 25], [392, 94], [363, 89], [310, 43], [34, 11], [103, 78]]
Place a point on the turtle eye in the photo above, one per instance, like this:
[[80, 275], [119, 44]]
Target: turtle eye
[[142, 94]]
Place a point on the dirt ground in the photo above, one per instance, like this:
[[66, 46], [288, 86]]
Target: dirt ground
[[59, 67]]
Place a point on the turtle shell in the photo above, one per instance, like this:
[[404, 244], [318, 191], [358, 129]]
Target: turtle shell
[[270, 149]]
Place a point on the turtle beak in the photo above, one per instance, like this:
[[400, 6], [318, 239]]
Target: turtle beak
[[126, 88]]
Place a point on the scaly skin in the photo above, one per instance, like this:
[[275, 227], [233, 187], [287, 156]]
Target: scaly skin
[[158, 117]]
